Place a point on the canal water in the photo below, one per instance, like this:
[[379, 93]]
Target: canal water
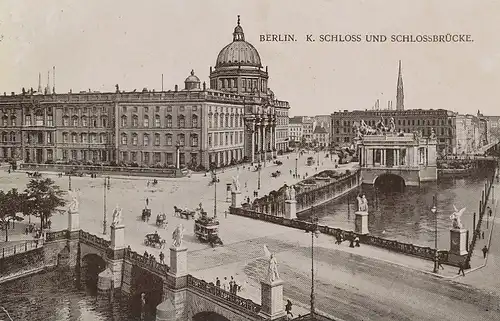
[[405, 215], [54, 296]]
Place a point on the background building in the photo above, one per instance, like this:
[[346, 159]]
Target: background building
[[321, 137], [295, 130]]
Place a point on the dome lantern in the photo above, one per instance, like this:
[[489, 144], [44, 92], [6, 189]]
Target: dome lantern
[[192, 82]]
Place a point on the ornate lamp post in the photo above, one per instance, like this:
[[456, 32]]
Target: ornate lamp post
[[314, 234], [215, 191], [434, 212], [69, 182], [104, 222], [258, 177], [296, 163], [177, 155]]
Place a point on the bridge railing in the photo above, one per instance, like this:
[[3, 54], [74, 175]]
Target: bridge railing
[[426, 253], [209, 288], [94, 240], [56, 235], [21, 247], [147, 263]]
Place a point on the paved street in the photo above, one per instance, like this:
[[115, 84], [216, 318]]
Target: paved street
[[352, 284]]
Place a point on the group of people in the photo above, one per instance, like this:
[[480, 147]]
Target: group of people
[[353, 240], [150, 258], [230, 285]]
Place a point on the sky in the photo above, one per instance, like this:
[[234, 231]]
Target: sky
[[96, 44]]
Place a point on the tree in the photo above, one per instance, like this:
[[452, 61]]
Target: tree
[[10, 204], [43, 198]]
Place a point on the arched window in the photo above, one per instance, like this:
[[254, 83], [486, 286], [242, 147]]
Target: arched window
[[182, 139], [74, 138], [5, 121], [124, 139], [194, 140], [216, 120], [83, 137], [157, 121], [181, 121], [84, 121], [135, 121], [4, 137], [13, 121], [124, 121], [227, 120], [168, 139], [221, 120], [134, 139], [210, 120], [169, 121], [104, 121], [74, 121], [103, 138], [194, 121], [65, 137], [241, 120], [65, 120], [12, 136], [231, 124], [94, 121], [146, 121], [157, 139], [145, 139]]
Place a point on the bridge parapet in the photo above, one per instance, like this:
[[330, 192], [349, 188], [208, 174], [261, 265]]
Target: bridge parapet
[[247, 305], [92, 239], [146, 263]]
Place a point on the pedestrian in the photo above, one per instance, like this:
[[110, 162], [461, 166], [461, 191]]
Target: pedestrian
[[356, 240], [217, 282], [162, 258], [231, 285], [225, 285], [482, 235], [288, 308], [147, 198], [146, 255], [485, 250], [248, 199], [351, 241], [461, 269], [225, 214], [490, 212]]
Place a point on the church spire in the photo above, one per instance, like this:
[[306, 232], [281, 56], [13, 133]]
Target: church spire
[[238, 34], [400, 96]]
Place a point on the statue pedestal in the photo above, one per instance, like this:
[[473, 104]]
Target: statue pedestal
[[361, 222], [228, 192], [291, 209], [459, 241], [178, 261], [236, 199], [117, 237], [73, 221], [272, 300]]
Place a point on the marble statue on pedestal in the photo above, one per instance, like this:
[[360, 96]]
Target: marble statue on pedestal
[[455, 218], [117, 216], [236, 183], [74, 204], [272, 271], [177, 236], [362, 203], [292, 193], [287, 193]]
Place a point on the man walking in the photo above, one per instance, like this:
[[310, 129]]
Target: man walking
[[217, 282], [461, 269], [485, 250], [288, 308], [162, 258]]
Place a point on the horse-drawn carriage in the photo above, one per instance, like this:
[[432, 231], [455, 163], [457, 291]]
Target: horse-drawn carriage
[[206, 229], [34, 174], [161, 220], [146, 214], [187, 214], [275, 174], [153, 240], [278, 162]]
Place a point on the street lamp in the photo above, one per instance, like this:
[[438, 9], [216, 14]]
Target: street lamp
[[314, 234], [434, 212], [258, 179], [215, 190], [296, 162], [69, 182], [104, 222]]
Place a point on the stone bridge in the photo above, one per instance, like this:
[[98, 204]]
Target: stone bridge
[[168, 289]]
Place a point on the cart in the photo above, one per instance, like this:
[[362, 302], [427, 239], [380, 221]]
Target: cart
[[154, 240], [206, 229]]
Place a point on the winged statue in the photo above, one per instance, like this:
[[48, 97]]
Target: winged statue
[[455, 217], [272, 271]]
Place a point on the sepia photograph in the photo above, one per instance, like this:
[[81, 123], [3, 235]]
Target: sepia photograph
[[212, 160]]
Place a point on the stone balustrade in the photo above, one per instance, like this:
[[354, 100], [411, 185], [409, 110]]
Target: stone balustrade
[[228, 297], [21, 247], [97, 241], [146, 262]]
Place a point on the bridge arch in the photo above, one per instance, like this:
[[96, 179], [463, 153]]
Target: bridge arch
[[92, 265], [209, 316], [389, 182]]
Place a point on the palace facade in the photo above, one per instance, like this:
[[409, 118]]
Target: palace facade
[[237, 119]]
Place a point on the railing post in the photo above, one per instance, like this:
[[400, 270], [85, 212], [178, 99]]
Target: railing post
[[26, 246]]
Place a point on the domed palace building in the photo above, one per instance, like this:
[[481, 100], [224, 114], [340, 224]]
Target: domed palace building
[[236, 119]]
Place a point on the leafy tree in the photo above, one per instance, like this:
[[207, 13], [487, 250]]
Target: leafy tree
[[10, 204], [43, 198]]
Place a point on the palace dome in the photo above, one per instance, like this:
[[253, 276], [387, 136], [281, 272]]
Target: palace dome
[[239, 52]]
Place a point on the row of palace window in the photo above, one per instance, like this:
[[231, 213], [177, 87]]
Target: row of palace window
[[169, 141], [400, 122], [249, 83], [228, 121], [169, 157], [425, 131], [181, 121], [84, 121], [29, 138], [39, 121], [230, 139], [83, 138], [135, 109]]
